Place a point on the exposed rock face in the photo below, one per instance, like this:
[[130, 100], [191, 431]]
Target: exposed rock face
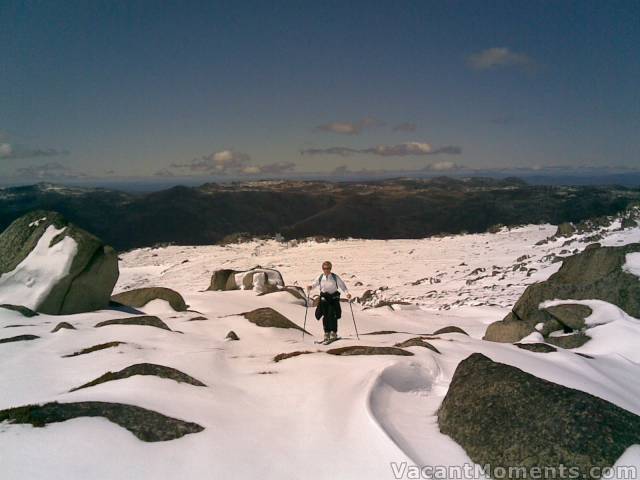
[[19, 338], [139, 297], [505, 417], [54, 267], [284, 356], [144, 369], [565, 230], [95, 348], [596, 273], [574, 340], [450, 329], [144, 320], [571, 315], [63, 325], [268, 317], [147, 425], [416, 342], [24, 311], [368, 350], [232, 335], [262, 280], [220, 278], [297, 292], [536, 347]]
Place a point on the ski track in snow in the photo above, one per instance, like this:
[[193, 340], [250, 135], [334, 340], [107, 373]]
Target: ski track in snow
[[312, 416]]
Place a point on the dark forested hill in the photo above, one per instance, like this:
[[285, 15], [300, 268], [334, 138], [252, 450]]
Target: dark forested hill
[[398, 208]]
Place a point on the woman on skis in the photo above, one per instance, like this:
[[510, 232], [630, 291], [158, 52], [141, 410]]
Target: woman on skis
[[329, 302]]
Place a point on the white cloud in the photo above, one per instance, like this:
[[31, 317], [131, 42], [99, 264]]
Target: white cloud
[[52, 170], [400, 150], [409, 148], [228, 162], [350, 128], [499, 57], [443, 166], [10, 151], [224, 161], [270, 169], [5, 150]]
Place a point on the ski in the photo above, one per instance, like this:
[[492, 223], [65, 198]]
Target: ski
[[327, 342]]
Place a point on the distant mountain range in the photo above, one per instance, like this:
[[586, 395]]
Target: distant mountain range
[[393, 208]]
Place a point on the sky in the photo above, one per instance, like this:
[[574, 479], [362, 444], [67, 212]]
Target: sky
[[162, 89]]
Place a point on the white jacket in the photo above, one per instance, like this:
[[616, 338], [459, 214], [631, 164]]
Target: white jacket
[[328, 285]]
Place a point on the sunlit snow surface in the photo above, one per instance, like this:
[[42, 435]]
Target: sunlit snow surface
[[30, 282], [314, 416]]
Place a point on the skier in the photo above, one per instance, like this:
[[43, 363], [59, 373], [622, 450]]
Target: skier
[[329, 302]]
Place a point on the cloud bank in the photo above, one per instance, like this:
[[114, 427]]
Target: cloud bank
[[227, 162], [400, 150], [437, 167], [10, 151], [51, 170], [350, 128]]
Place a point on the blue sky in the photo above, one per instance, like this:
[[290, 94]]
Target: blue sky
[[144, 89]]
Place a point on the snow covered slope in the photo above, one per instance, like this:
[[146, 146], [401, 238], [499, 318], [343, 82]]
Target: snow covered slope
[[314, 415]]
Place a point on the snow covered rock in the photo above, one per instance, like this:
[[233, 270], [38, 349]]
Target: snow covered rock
[[139, 297], [19, 338], [284, 356], [232, 336], [257, 278], [63, 326], [368, 350], [21, 309], [450, 329], [295, 291], [601, 273], [571, 315], [268, 317], [143, 320], [149, 369], [416, 342], [537, 347], [572, 340], [505, 417], [52, 266], [147, 425]]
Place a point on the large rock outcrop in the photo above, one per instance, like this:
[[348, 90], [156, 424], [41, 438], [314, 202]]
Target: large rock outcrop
[[262, 280], [147, 425], [504, 417], [268, 317], [139, 297], [596, 273], [51, 266]]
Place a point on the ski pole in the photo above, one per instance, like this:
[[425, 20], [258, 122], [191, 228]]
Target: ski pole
[[306, 308], [354, 320]]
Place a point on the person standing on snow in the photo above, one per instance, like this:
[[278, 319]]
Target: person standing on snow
[[329, 303]]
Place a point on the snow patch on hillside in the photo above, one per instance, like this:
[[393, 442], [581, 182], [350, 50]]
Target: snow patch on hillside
[[632, 263]]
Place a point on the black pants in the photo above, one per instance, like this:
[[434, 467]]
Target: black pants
[[330, 311]]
